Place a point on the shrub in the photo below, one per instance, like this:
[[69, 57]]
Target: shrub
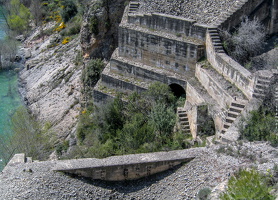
[[204, 193], [19, 17], [247, 41], [93, 26], [91, 73], [69, 10], [248, 184], [260, 126]]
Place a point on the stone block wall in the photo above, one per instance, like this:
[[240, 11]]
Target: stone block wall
[[155, 50], [126, 172], [230, 69], [171, 24], [120, 85], [214, 89]]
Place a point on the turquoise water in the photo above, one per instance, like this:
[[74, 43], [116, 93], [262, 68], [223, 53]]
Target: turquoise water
[[2, 24], [9, 96]]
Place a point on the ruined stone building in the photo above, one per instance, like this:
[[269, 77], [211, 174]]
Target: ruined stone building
[[178, 43]]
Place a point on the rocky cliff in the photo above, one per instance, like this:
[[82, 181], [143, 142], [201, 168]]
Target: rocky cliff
[[50, 82]]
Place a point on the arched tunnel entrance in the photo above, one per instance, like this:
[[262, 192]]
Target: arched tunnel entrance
[[177, 90]]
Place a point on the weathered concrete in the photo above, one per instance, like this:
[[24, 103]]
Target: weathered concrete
[[127, 167]]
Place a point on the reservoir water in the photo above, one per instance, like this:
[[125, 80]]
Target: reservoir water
[[9, 96]]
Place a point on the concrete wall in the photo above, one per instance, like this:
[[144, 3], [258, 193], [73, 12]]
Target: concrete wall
[[155, 50], [127, 167], [120, 85], [230, 69], [214, 89], [148, 75], [171, 24], [126, 172]]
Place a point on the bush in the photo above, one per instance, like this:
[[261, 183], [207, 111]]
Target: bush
[[92, 71], [247, 41], [19, 17], [260, 126], [204, 193], [248, 184], [142, 124], [69, 10]]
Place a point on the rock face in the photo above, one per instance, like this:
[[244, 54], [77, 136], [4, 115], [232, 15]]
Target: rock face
[[50, 83], [99, 31]]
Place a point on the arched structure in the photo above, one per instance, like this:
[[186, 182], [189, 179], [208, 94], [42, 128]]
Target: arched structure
[[178, 90]]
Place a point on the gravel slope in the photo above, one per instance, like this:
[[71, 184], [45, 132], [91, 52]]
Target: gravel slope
[[207, 170]]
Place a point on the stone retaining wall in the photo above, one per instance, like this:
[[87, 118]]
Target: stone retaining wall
[[230, 69], [172, 24], [150, 48]]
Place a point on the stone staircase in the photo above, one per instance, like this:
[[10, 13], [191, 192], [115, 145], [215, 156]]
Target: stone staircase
[[261, 86], [133, 6], [217, 44], [183, 120], [234, 111]]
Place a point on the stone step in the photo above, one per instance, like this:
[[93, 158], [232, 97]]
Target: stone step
[[182, 114], [237, 105], [259, 91], [261, 86], [220, 51], [183, 118], [264, 82], [226, 126], [230, 120], [235, 109], [185, 122], [258, 96], [232, 114], [186, 130], [184, 127], [263, 78]]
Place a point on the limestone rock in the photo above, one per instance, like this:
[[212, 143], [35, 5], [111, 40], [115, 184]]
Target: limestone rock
[[99, 33]]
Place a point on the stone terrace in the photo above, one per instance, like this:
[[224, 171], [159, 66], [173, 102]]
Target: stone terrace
[[203, 11]]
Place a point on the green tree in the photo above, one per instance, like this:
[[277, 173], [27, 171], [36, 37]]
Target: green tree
[[248, 185], [19, 17], [163, 119]]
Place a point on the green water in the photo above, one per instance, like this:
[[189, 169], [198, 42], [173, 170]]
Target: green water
[[2, 24], [9, 96]]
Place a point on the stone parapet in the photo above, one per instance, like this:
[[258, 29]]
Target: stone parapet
[[127, 167]]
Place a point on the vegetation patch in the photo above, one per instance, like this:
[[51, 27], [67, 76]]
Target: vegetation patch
[[260, 125], [248, 184], [143, 123]]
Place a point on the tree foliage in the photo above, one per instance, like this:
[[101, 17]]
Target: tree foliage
[[69, 10], [142, 124], [19, 16], [28, 137], [260, 126]]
